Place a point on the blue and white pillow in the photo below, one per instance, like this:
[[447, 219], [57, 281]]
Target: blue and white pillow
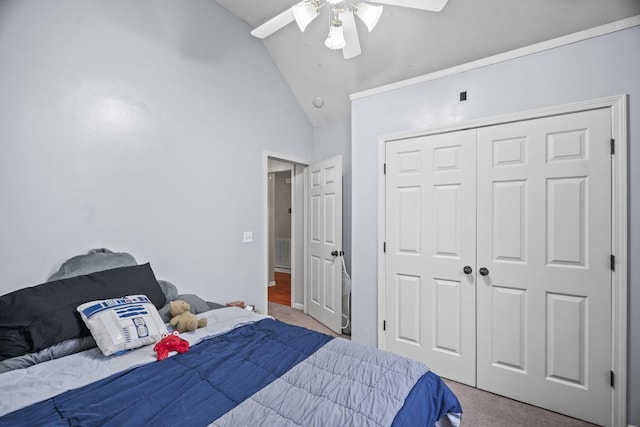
[[124, 323]]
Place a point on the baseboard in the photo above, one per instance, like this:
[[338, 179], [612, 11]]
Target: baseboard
[[282, 269], [299, 306], [272, 283]]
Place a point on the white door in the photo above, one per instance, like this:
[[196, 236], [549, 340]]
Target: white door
[[430, 223], [530, 214], [324, 242], [544, 236]]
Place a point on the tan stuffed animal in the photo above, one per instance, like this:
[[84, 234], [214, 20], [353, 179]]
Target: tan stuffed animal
[[184, 320]]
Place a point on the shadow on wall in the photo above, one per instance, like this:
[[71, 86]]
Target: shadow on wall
[[190, 32]]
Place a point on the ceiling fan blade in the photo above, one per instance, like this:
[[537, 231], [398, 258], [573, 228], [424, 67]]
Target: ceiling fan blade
[[274, 24], [350, 31], [430, 5]]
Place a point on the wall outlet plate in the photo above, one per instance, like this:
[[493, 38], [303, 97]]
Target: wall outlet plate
[[247, 237]]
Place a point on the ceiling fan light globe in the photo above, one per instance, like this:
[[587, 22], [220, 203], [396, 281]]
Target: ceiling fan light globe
[[304, 13], [335, 40], [369, 14]]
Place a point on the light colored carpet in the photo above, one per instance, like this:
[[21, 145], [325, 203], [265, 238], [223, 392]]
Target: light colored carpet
[[481, 409], [296, 317]]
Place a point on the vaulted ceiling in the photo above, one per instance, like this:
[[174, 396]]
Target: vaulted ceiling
[[408, 43]]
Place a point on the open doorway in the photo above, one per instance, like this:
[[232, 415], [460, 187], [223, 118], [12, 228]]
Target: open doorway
[[285, 197], [317, 280], [280, 211]]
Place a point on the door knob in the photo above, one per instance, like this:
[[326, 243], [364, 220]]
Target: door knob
[[334, 253], [484, 271], [467, 269]]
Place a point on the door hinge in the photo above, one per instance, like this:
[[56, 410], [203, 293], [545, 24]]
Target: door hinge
[[384, 247], [384, 168], [613, 146], [613, 263], [612, 379], [384, 327]]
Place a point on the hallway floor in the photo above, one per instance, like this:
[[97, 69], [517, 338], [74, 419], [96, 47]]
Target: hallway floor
[[281, 292]]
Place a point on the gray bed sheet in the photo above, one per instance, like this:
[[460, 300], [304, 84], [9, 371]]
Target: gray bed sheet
[[61, 349]]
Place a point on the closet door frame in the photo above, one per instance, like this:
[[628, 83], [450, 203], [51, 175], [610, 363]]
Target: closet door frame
[[617, 106]]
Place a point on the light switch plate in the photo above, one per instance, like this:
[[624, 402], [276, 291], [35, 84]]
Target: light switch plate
[[247, 237]]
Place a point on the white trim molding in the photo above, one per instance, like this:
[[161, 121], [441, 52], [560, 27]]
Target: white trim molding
[[506, 56], [620, 246], [619, 205], [266, 155]]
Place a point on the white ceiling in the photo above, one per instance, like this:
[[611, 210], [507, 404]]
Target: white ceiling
[[407, 42]]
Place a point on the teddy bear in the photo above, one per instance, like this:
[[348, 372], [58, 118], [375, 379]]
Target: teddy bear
[[169, 343], [182, 319]]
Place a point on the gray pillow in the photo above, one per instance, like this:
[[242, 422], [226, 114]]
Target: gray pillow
[[95, 260], [198, 305], [214, 305], [170, 290], [165, 312]]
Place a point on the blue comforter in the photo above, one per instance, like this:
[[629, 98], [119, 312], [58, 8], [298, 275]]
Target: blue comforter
[[209, 381]]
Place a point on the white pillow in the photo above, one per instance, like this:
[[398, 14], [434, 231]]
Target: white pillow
[[122, 323]]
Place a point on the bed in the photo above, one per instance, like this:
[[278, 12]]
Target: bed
[[242, 369]]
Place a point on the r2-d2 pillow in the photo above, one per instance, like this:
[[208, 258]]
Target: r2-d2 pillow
[[125, 323]]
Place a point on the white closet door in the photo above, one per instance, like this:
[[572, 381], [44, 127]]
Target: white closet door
[[430, 228], [544, 235]]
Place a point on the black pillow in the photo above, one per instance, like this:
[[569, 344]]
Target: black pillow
[[13, 343], [43, 315]]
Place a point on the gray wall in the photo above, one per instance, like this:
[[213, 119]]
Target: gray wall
[[136, 126], [282, 205], [329, 141], [599, 67]]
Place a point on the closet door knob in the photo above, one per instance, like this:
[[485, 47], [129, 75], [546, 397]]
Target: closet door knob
[[467, 269], [484, 271]]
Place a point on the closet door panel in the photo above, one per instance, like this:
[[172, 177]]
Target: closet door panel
[[544, 236], [430, 223]]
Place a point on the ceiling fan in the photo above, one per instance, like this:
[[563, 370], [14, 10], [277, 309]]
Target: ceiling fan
[[343, 33]]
